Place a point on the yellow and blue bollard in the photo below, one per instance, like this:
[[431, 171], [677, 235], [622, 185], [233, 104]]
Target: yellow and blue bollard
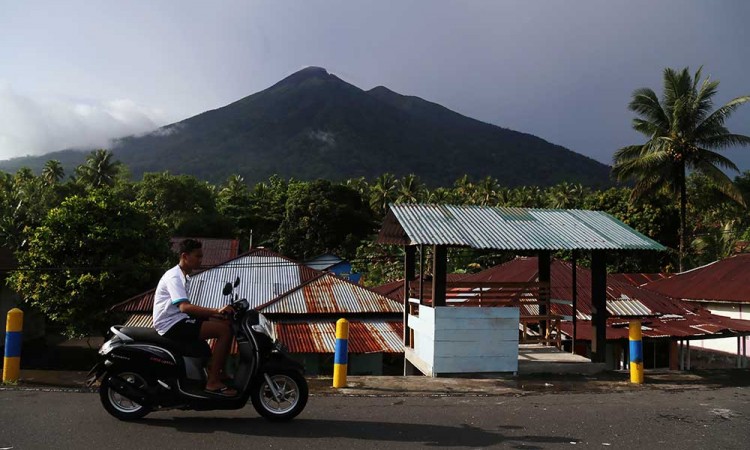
[[341, 357], [636, 352], [12, 360]]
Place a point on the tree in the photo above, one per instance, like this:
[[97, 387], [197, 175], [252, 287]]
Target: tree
[[409, 189], [323, 217], [52, 172], [683, 135], [185, 204], [234, 203], [383, 192], [88, 254], [99, 170]]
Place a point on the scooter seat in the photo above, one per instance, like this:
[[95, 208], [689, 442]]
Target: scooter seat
[[193, 349]]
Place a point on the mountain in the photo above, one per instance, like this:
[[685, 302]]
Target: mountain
[[313, 125]]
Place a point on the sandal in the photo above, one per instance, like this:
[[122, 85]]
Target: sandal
[[224, 391]]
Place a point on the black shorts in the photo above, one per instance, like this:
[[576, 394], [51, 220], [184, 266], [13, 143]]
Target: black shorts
[[185, 330]]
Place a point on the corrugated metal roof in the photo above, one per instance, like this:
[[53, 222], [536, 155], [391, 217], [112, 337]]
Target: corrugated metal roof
[[637, 279], [263, 274], [323, 262], [395, 289], [215, 251], [320, 337], [699, 326], [140, 320], [329, 294], [622, 299], [725, 281], [509, 228]]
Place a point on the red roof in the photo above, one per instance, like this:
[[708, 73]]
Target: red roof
[[637, 279], [320, 337], [395, 289], [215, 251], [623, 299], [726, 281], [701, 325]]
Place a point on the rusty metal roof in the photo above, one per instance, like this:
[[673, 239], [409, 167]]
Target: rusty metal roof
[[703, 325], [723, 281], [623, 299], [263, 276], [215, 251], [320, 337], [395, 289], [487, 227], [329, 294], [637, 279]]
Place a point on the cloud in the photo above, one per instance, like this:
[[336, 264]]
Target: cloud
[[34, 126]]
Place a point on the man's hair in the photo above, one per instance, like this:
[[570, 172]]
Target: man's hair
[[188, 245]]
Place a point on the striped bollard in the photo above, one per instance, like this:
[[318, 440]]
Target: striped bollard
[[636, 352], [12, 360], [341, 357]]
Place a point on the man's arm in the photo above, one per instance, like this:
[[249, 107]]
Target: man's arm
[[204, 313]]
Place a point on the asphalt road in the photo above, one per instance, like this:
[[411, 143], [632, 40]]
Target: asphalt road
[[690, 419]]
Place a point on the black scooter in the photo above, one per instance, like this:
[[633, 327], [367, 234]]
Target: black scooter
[[141, 371]]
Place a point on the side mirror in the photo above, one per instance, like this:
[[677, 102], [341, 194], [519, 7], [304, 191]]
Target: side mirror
[[227, 289], [237, 282]]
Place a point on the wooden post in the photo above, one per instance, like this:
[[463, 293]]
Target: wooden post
[[543, 268], [409, 252], [421, 274], [439, 265], [599, 306], [574, 261]]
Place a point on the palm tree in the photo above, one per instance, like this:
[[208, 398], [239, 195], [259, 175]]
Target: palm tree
[[52, 172], [683, 135], [409, 189], [382, 192], [99, 170]]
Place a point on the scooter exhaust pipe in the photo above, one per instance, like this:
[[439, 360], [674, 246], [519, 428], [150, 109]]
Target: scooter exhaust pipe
[[129, 391]]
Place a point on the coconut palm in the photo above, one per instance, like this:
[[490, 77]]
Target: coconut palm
[[683, 135], [383, 192], [99, 170], [409, 189], [52, 172]]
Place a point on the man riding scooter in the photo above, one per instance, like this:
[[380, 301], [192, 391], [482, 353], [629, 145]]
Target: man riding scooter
[[178, 319]]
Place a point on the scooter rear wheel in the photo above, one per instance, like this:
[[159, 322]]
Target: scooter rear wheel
[[287, 402], [118, 405]]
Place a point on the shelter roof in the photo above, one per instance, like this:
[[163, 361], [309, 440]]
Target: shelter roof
[[723, 281], [485, 227]]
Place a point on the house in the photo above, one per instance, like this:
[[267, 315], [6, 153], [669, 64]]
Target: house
[[329, 262], [303, 306], [721, 287]]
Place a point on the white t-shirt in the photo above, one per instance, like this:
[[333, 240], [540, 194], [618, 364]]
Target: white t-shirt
[[170, 292]]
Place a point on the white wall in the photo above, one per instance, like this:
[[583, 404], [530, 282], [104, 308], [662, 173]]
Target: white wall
[[466, 340], [727, 345]]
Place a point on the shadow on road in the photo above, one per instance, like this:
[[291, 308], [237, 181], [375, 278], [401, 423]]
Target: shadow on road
[[427, 434]]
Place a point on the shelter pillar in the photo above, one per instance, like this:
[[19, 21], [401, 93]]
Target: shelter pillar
[[544, 261], [409, 268], [599, 306], [439, 265]]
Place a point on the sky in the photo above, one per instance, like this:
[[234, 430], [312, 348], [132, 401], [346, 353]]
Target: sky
[[77, 73]]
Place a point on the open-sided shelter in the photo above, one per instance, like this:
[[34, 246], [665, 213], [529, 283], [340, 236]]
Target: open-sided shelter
[[512, 229]]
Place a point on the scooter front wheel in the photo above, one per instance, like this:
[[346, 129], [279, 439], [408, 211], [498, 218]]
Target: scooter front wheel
[[117, 404], [279, 396]]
